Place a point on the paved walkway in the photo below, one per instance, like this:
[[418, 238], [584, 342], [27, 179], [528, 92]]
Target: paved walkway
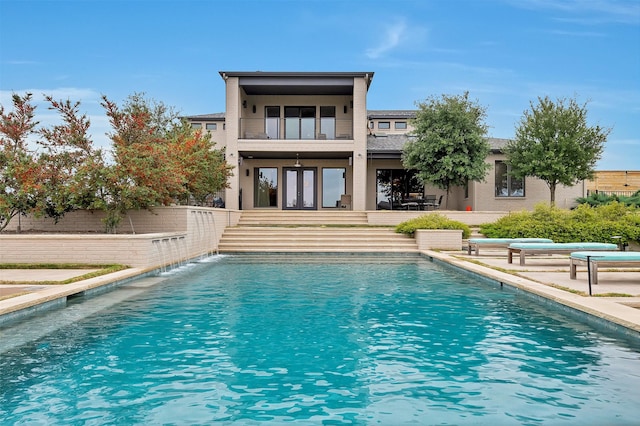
[[546, 275], [25, 278]]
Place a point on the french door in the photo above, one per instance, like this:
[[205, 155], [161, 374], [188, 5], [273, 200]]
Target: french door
[[300, 188]]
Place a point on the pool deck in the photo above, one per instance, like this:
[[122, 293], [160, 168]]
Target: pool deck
[[545, 275]]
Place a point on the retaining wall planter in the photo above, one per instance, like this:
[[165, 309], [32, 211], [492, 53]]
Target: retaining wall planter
[[443, 239], [147, 239]]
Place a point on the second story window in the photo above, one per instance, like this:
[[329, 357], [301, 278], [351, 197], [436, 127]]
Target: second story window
[[196, 126], [384, 125], [272, 122], [300, 122], [212, 126], [401, 125], [327, 122], [506, 184]]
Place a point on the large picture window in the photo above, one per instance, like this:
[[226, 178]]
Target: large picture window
[[300, 122], [506, 184], [266, 187], [394, 186]]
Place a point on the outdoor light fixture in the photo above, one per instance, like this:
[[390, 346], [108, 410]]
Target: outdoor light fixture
[[244, 104], [345, 109], [297, 163], [254, 109]]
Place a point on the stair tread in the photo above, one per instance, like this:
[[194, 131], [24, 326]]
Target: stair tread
[[311, 231]]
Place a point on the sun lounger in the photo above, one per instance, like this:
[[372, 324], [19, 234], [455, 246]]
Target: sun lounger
[[555, 248], [617, 259], [475, 243]]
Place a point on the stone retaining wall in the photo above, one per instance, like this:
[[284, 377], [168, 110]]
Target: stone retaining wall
[[162, 237], [439, 239]]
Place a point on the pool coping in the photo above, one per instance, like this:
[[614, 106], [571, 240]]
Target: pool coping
[[22, 306]]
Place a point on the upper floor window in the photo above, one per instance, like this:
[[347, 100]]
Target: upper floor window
[[384, 125], [327, 122], [371, 124], [196, 125], [212, 126], [401, 124], [272, 121], [507, 185], [300, 122]]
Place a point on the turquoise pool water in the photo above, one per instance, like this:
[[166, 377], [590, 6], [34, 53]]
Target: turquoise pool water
[[315, 340]]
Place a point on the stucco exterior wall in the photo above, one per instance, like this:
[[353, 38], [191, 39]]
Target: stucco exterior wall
[[536, 191]]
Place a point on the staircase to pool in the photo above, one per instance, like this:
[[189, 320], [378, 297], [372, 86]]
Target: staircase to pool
[[311, 231]]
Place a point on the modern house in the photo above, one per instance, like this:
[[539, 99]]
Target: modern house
[[306, 141]]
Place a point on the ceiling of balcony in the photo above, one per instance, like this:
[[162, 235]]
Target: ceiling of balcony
[[297, 85]]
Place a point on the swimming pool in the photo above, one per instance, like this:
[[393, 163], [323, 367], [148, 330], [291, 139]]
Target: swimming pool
[[246, 339]]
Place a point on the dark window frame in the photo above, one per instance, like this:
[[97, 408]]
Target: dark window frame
[[506, 185]]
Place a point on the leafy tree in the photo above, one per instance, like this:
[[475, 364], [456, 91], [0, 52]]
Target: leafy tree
[[69, 162], [204, 168], [449, 148], [158, 159], [19, 169], [554, 143], [143, 174]]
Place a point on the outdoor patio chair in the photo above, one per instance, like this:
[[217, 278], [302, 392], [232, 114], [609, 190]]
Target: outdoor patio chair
[[596, 258], [475, 243], [554, 248], [345, 201]]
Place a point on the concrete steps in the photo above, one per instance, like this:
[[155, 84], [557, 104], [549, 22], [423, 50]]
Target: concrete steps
[[314, 239], [306, 232], [302, 217]]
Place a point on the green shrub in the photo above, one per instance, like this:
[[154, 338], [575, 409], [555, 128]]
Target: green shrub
[[596, 199], [432, 221], [585, 223]]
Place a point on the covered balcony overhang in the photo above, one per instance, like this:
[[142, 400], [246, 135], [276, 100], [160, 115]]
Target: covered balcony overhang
[[295, 155], [297, 83]]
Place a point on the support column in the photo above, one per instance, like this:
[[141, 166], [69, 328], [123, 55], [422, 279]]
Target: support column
[[232, 122], [359, 189]]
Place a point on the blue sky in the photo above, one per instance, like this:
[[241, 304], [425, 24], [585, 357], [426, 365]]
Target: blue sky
[[506, 53]]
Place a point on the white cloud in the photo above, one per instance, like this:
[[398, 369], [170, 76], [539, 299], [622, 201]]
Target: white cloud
[[394, 35]]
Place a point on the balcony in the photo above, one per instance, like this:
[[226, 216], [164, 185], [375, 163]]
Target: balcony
[[314, 129]]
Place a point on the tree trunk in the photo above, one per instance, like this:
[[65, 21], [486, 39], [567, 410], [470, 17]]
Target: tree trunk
[[552, 188], [446, 203]]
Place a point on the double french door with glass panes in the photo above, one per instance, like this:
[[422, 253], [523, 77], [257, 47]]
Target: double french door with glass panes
[[299, 188]]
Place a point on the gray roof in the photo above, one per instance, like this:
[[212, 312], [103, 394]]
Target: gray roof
[[395, 143], [391, 113], [216, 116]]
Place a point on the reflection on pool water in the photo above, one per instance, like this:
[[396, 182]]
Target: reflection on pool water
[[383, 340]]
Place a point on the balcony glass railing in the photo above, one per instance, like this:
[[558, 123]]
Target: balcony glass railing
[[325, 128]]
